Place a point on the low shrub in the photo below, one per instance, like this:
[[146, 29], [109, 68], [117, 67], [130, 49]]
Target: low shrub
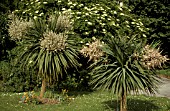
[[13, 78]]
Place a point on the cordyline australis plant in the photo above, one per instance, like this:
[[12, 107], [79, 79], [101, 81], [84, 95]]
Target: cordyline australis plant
[[48, 49], [151, 57], [122, 74], [18, 27], [93, 50]]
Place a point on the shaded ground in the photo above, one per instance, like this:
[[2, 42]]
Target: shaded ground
[[135, 104]]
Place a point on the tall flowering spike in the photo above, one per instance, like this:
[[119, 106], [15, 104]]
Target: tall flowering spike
[[63, 22], [93, 50], [151, 57], [18, 28], [53, 41]]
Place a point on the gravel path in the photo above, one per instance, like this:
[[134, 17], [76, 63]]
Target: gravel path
[[164, 88]]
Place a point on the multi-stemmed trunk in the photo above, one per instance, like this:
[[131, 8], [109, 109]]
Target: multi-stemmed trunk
[[43, 86], [123, 102]]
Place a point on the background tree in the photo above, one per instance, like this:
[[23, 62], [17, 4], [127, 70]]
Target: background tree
[[155, 15], [6, 44]]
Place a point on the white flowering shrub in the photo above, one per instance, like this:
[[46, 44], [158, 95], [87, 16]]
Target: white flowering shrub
[[91, 18], [36, 8], [103, 19]]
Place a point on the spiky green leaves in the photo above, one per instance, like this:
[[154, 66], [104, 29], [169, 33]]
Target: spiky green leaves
[[51, 65], [122, 79]]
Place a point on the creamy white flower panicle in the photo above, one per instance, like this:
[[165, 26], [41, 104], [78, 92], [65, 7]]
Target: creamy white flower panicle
[[53, 41], [93, 50], [151, 57], [18, 28], [63, 22]]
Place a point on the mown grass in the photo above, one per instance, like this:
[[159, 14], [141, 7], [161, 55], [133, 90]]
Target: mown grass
[[87, 101]]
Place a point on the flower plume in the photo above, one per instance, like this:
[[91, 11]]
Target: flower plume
[[93, 50], [18, 28], [151, 57], [53, 41]]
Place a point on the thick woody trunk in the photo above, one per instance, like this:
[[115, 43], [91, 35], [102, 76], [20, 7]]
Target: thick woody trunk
[[43, 88], [123, 102]]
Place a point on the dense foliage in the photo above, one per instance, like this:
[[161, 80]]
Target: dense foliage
[[100, 19], [155, 15], [4, 39], [6, 6], [13, 78]]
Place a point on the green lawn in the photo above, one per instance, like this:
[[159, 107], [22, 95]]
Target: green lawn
[[87, 101]]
